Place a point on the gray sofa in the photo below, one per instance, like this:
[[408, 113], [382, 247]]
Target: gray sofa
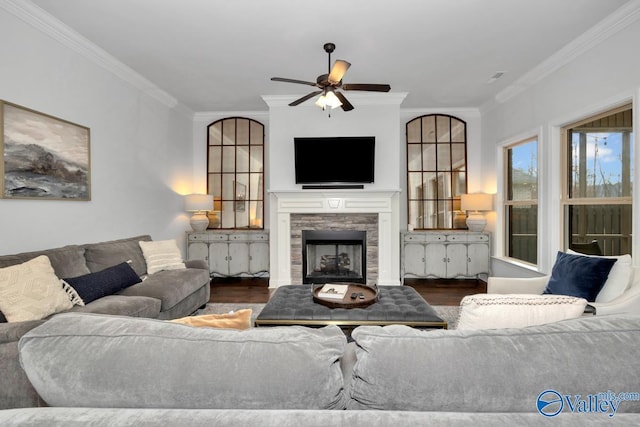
[[163, 295], [111, 370]]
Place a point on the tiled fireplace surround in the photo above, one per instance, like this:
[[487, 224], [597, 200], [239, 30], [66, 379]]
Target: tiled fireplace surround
[[375, 212]]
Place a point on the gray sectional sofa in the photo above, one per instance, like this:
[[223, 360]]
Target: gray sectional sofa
[[163, 295], [111, 370]]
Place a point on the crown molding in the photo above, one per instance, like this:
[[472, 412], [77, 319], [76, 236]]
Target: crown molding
[[624, 16], [41, 20]]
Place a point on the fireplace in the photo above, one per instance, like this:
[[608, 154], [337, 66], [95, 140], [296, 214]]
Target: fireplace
[[334, 256], [376, 212]]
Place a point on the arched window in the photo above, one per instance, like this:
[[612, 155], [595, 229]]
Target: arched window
[[436, 171], [235, 165]]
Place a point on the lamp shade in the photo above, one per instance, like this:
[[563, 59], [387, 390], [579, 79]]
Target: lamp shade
[[198, 202], [476, 202]]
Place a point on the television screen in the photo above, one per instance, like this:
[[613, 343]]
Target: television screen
[[334, 160]]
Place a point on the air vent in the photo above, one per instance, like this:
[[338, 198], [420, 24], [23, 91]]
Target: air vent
[[496, 76]]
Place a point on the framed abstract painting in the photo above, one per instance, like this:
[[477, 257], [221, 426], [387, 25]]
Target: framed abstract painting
[[44, 157]]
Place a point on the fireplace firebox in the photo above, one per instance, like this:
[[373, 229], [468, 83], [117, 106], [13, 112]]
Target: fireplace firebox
[[333, 256]]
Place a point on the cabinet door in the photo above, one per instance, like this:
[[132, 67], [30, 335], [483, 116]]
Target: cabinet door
[[197, 250], [414, 259], [258, 257], [436, 260], [219, 258], [238, 258], [456, 260], [478, 259]]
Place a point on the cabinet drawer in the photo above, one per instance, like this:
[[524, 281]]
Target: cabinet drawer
[[249, 237], [414, 238], [478, 238], [198, 237], [218, 237], [435, 237]]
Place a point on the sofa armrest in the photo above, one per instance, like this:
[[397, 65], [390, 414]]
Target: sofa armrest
[[13, 331], [196, 263], [628, 302], [517, 285]]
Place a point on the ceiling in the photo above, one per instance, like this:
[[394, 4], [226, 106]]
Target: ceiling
[[219, 55]]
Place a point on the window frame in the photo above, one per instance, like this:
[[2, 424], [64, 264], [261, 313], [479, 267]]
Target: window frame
[[507, 202], [566, 200]]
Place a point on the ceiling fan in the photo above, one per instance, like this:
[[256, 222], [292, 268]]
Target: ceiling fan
[[330, 82]]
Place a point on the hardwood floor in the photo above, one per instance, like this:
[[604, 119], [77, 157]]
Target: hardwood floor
[[434, 291]]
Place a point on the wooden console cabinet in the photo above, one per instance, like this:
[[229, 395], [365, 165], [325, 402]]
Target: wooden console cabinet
[[231, 253], [444, 254]]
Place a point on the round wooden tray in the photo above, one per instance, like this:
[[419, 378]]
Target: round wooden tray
[[370, 296]]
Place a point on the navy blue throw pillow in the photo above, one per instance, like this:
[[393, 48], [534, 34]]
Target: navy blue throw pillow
[[578, 276], [2, 318], [109, 281]]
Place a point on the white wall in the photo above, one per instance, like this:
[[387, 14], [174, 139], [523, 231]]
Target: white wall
[[606, 75], [141, 151]]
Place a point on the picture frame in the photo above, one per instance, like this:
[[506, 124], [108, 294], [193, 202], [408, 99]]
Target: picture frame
[[44, 157]]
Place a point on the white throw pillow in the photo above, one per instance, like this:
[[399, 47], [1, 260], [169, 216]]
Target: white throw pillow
[[493, 311], [31, 291], [619, 277], [162, 255]]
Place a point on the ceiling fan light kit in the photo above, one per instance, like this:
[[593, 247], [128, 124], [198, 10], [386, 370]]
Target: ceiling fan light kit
[[330, 82], [328, 100]]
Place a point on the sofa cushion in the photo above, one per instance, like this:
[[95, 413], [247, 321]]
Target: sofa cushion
[[489, 311], [87, 360], [162, 255], [578, 276], [122, 306], [31, 291], [109, 281], [240, 319], [106, 254], [619, 277], [170, 286], [497, 370], [67, 261]]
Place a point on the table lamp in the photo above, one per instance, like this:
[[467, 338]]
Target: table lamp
[[199, 204], [476, 203]]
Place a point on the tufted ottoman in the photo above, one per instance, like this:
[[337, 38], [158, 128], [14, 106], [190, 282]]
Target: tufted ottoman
[[400, 305]]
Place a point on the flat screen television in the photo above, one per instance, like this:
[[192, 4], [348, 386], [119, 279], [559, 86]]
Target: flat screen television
[[335, 160]]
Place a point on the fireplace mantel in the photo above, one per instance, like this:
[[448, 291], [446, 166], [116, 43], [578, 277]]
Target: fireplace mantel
[[383, 203]]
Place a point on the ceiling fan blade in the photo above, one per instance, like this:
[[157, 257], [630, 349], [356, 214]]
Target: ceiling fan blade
[[304, 98], [337, 72], [367, 87], [283, 79], [346, 105]]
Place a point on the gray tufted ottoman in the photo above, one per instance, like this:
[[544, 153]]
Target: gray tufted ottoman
[[294, 305]]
